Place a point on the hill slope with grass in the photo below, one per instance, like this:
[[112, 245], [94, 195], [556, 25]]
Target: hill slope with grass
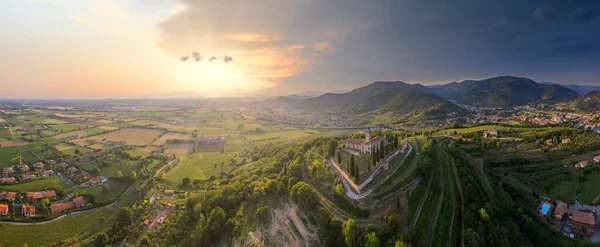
[[589, 102]]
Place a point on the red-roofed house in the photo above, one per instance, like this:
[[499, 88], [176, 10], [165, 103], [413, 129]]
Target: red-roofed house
[[47, 173], [367, 145], [41, 195], [8, 172], [38, 165], [79, 202], [582, 164], [27, 177], [28, 210], [72, 170], [82, 177], [23, 168], [7, 180], [583, 222], [565, 141], [96, 180], [7, 195], [61, 207], [4, 209]]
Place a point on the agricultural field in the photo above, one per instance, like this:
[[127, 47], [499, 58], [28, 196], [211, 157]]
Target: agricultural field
[[115, 189], [68, 127], [200, 165], [172, 136], [520, 130], [70, 149], [133, 136], [37, 185], [81, 133], [8, 153], [180, 148]]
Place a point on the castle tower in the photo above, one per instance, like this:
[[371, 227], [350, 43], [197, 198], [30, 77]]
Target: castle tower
[[367, 135]]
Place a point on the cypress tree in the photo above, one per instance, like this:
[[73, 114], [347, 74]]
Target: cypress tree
[[352, 165], [373, 158], [339, 157], [381, 147], [356, 173]]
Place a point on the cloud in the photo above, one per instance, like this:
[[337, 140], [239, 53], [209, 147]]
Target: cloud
[[212, 58], [197, 57], [581, 15], [184, 58], [544, 13], [255, 37], [81, 17], [227, 59]]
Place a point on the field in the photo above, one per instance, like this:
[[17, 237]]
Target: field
[[8, 153], [172, 136], [179, 148], [524, 131], [37, 185], [363, 162], [13, 143], [70, 149], [50, 234], [200, 165], [82, 133], [115, 189], [134, 136]]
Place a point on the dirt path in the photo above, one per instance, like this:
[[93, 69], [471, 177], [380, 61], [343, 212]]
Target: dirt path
[[163, 167]]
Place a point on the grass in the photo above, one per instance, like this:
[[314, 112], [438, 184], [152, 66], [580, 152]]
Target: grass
[[362, 161], [235, 144], [135, 136], [521, 130], [37, 185], [115, 189], [52, 233], [200, 165], [180, 148], [8, 153], [68, 127]]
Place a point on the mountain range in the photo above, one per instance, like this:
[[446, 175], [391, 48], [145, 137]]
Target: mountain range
[[431, 101]]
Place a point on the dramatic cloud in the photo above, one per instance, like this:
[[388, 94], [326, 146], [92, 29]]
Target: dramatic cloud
[[544, 13], [227, 59], [581, 15]]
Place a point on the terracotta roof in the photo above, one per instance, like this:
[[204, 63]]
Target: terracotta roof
[[61, 206], [79, 202], [597, 158], [96, 179], [25, 177], [8, 171], [375, 139], [169, 192], [38, 164], [28, 209], [47, 172], [7, 180], [582, 164], [586, 218], [355, 141], [41, 194], [9, 195], [4, 208]]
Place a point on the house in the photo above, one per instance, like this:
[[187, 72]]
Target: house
[[565, 141], [7, 172], [38, 165], [61, 207], [366, 146], [41, 195], [583, 222], [27, 177], [162, 217], [82, 177], [560, 210], [169, 193], [4, 209], [51, 162], [62, 165], [47, 173], [7, 180], [597, 159], [490, 133], [97, 180], [23, 168], [549, 142], [7, 195], [581, 164], [72, 170], [28, 210], [79, 202]]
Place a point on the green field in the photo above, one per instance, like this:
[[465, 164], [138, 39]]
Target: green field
[[68, 127], [199, 165], [115, 189], [524, 131], [8, 153], [38, 185]]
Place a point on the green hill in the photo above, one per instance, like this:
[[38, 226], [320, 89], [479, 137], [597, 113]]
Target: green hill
[[589, 102]]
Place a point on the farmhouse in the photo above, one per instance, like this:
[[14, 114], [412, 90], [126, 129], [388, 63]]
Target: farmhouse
[[597, 159], [366, 146], [47, 173], [27, 177], [583, 222], [490, 133], [41, 195], [28, 210], [4, 209], [8, 172], [169, 193], [82, 177], [38, 165], [581, 164], [97, 180], [7, 180], [560, 210], [7, 195], [62, 165], [565, 141]]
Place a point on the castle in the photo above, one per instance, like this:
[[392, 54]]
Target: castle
[[367, 145]]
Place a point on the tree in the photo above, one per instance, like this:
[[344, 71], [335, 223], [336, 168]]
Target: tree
[[185, 181], [102, 239], [303, 194], [339, 157], [105, 189], [372, 240], [352, 165], [96, 171], [356, 173], [374, 159], [77, 151], [350, 231], [381, 147], [401, 243], [351, 169]]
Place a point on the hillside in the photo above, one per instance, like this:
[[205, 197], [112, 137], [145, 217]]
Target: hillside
[[589, 102], [582, 89], [503, 91]]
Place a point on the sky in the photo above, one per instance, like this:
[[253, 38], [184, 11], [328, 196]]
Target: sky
[[235, 48]]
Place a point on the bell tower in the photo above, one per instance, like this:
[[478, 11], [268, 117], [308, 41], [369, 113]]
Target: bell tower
[[367, 135]]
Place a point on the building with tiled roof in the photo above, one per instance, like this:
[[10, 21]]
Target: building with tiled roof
[[23, 168], [7, 195], [583, 222], [28, 210], [79, 202], [47, 173], [7, 172], [38, 165], [41, 194], [581, 164], [72, 170], [367, 145], [27, 177], [7, 180], [4, 209]]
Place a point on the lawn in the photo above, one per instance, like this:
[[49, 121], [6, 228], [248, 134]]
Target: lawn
[[362, 161], [172, 136], [200, 165], [50, 234], [37, 185], [115, 189], [8, 153], [135, 136]]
